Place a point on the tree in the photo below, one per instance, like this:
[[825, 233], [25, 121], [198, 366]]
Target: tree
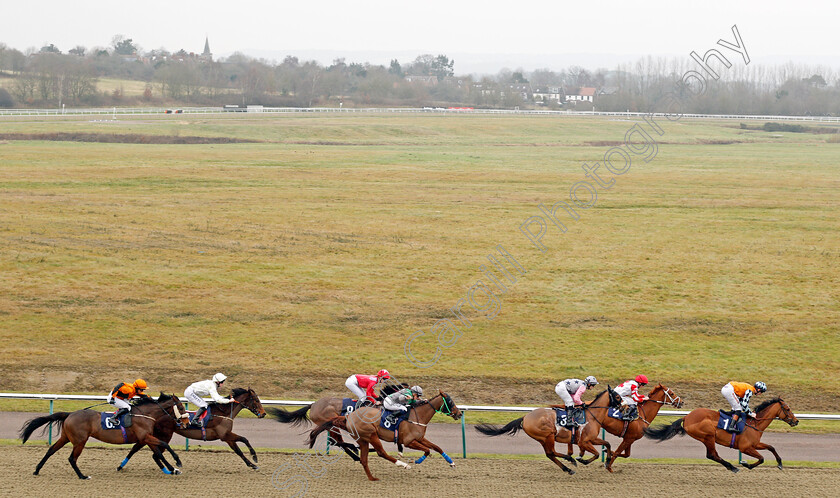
[[395, 68], [6, 100], [78, 51], [49, 49], [123, 45]]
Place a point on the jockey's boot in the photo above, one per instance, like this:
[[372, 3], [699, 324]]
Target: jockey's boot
[[196, 422], [116, 418], [570, 417], [735, 418]]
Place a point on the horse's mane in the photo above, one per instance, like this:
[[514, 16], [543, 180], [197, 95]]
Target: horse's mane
[[238, 391], [145, 401], [596, 397], [767, 403]]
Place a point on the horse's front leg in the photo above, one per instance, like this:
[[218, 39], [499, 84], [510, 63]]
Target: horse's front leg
[[429, 444], [157, 445], [134, 449], [231, 439], [763, 446]]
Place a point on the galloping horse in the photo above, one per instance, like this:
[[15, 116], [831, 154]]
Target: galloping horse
[[77, 427], [363, 425], [322, 411], [701, 424], [219, 427], [660, 395], [541, 425]]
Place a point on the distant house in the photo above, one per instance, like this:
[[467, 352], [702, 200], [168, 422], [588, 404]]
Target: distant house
[[607, 90], [582, 94], [422, 79], [548, 93]]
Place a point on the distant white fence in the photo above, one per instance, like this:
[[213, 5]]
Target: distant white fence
[[180, 111]]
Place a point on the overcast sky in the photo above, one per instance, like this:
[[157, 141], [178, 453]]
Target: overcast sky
[[468, 31]]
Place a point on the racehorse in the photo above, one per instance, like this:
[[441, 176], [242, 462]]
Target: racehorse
[[541, 425], [701, 424], [363, 425], [630, 433], [220, 426], [77, 427], [324, 410]]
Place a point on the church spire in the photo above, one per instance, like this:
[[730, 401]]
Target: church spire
[[207, 54]]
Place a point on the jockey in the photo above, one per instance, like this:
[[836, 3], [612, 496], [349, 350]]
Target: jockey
[[207, 387], [570, 391], [396, 402], [362, 385], [630, 396], [738, 395], [123, 392]]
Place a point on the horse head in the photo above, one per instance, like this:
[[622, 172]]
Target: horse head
[[446, 405], [179, 413], [786, 414], [665, 395], [249, 399]]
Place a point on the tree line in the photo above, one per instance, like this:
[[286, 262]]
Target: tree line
[[49, 77]]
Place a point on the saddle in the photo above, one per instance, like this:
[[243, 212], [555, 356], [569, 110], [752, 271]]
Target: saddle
[[348, 405], [107, 422], [205, 417], [563, 419], [725, 422], [391, 420]]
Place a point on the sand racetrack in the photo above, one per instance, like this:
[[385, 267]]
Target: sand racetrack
[[223, 474]]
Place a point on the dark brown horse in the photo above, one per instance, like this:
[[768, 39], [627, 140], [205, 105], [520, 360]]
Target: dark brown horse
[[79, 426], [701, 424], [541, 425], [363, 425], [660, 395], [219, 427]]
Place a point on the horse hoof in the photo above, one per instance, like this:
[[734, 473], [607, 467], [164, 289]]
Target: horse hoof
[[254, 467], [176, 472], [571, 472], [119, 469], [734, 470], [452, 465], [780, 467], [84, 478]]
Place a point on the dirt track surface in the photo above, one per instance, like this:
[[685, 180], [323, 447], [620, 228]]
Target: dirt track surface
[[222, 474]]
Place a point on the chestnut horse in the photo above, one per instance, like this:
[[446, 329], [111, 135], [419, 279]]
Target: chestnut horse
[[79, 426], [701, 424], [660, 395], [363, 425], [541, 425], [219, 427], [324, 410]]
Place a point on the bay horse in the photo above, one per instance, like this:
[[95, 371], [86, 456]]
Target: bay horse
[[701, 424], [220, 427], [541, 425], [322, 411], [635, 430], [363, 425], [79, 426]]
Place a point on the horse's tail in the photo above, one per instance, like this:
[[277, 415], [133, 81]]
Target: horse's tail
[[665, 432], [339, 422], [296, 418], [32, 424], [494, 430]]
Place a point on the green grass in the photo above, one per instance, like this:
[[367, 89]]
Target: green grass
[[295, 262]]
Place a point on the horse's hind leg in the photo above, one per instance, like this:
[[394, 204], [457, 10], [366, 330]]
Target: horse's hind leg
[[712, 454], [351, 449], [589, 447], [763, 446], [55, 447], [77, 450], [755, 454]]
